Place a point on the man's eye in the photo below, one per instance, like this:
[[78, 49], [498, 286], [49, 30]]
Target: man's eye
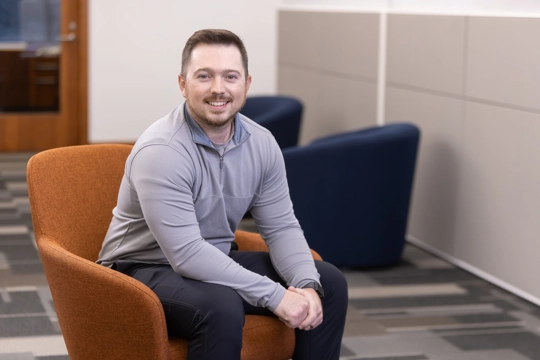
[[202, 76], [232, 77]]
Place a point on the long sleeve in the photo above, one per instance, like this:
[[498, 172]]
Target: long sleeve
[[162, 179], [273, 213]]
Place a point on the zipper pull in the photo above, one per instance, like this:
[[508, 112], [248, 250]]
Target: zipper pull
[[221, 161]]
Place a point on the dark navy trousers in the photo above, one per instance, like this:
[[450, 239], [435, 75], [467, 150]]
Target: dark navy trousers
[[212, 316]]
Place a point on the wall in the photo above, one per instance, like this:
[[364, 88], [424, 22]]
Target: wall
[[336, 80], [472, 84], [484, 7], [135, 56]]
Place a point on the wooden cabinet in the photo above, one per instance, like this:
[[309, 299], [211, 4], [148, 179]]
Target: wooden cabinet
[[28, 83]]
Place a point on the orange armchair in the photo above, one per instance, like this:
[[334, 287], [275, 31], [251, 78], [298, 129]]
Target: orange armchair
[[104, 314]]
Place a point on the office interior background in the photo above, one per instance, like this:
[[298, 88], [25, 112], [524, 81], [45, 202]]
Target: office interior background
[[466, 72]]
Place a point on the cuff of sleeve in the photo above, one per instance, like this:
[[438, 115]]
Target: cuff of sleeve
[[276, 298]]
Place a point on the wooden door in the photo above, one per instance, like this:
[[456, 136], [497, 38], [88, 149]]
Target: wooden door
[[47, 127]]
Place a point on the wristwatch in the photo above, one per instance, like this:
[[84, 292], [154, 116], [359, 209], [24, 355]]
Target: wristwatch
[[315, 286]]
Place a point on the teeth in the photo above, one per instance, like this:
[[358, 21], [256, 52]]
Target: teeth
[[217, 103]]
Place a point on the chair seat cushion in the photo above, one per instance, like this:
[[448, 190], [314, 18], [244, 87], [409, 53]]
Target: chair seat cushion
[[264, 338]]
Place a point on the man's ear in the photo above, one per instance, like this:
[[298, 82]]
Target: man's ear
[[248, 83], [182, 84]]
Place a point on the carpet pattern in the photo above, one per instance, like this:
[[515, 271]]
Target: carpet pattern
[[422, 308]]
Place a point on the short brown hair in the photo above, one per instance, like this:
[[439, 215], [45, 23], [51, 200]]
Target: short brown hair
[[213, 37]]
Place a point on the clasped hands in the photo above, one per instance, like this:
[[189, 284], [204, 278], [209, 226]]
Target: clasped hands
[[300, 308]]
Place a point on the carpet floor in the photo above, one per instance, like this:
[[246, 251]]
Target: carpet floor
[[422, 308]]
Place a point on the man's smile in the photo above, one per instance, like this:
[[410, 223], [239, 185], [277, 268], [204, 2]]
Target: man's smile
[[217, 103]]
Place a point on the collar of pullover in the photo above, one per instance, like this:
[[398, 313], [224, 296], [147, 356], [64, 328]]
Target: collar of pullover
[[199, 136]]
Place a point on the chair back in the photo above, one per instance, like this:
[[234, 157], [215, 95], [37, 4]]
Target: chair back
[[351, 193], [281, 115], [72, 192], [102, 313]]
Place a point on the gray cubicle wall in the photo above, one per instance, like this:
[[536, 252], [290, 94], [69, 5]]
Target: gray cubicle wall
[[472, 84]]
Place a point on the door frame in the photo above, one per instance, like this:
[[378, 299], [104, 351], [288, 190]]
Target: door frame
[[82, 116]]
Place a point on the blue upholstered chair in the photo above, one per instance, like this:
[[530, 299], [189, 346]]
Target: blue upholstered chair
[[281, 115], [351, 193]]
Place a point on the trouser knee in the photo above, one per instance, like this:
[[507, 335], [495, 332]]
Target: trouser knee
[[223, 315], [333, 282]]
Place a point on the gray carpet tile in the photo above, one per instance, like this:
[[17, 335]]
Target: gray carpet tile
[[5, 195], [19, 252], [345, 351], [27, 267], [414, 302], [405, 357], [525, 343], [21, 219], [26, 326], [9, 213], [20, 302], [15, 238], [494, 329], [423, 276]]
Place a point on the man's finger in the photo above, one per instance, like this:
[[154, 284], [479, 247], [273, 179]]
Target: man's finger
[[311, 319], [286, 323]]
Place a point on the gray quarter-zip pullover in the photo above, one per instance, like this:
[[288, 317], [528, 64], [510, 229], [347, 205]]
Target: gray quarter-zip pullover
[[180, 202]]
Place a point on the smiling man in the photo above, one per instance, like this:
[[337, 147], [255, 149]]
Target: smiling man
[[188, 181]]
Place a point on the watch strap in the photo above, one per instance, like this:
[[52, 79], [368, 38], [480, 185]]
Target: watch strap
[[315, 286]]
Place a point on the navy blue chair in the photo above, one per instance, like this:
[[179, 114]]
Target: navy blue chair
[[281, 115], [351, 193]]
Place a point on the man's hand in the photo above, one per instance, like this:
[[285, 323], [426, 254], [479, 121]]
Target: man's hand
[[293, 308], [315, 314]]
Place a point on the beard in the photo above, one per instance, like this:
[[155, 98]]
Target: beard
[[217, 121]]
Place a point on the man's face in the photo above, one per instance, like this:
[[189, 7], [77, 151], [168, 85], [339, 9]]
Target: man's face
[[214, 84]]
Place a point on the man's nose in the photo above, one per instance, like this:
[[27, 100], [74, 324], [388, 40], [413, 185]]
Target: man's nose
[[217, 86]]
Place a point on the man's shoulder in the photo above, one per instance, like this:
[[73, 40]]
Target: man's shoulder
[[168, 136], [165, 130], [159, 159]]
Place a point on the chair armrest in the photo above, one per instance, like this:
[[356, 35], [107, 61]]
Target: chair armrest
[[103, 313], [249, 241]]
